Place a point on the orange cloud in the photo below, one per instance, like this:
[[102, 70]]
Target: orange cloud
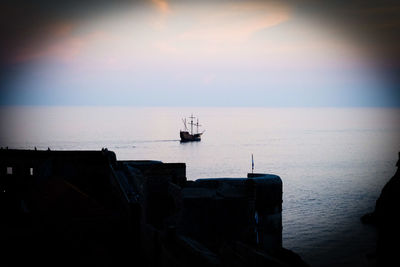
[[61, 29], [161, 5], [63, 46], [54, 39], [236, 22], [65, 51]]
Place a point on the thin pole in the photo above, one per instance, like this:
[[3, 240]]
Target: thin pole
[[252, 163]]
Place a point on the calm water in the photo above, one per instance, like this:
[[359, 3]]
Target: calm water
[[333, 162]]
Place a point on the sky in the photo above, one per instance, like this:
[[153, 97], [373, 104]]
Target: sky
[[200, 53]]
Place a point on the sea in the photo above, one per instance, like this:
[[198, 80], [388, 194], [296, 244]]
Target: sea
[[333, 161]]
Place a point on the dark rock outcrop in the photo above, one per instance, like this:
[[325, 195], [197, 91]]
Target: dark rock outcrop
[[387, 220]]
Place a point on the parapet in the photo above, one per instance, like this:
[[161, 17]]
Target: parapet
[[246, 209], [206, 222]]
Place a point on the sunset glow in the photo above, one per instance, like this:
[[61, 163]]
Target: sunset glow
[[263, 53]]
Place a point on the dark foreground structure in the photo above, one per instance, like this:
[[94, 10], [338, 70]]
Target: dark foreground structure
[[84, 207], [387, 220]]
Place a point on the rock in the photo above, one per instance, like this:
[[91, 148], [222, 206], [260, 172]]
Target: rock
[[369, 218], [387, 220]]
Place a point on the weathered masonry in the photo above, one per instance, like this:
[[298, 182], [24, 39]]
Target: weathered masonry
[[88, 207]]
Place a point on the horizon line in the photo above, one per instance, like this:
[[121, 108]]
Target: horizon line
[[201, 106]]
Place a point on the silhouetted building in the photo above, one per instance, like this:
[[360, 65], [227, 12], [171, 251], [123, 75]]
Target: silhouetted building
[[87, 207]]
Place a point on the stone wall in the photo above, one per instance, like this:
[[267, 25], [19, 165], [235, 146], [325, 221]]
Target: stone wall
[[147, 211]]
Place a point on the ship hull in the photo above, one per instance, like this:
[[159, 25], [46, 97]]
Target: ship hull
[[187, 137]]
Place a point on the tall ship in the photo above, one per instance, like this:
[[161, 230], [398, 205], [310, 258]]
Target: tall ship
[[188, 135]]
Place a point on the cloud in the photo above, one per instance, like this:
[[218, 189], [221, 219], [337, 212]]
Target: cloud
[[64, 47], [56, 40], [159, 21], [64, 51], [162, 6], [236, 22]]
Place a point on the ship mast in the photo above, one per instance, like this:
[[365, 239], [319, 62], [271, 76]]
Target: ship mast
[[191, 124]]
